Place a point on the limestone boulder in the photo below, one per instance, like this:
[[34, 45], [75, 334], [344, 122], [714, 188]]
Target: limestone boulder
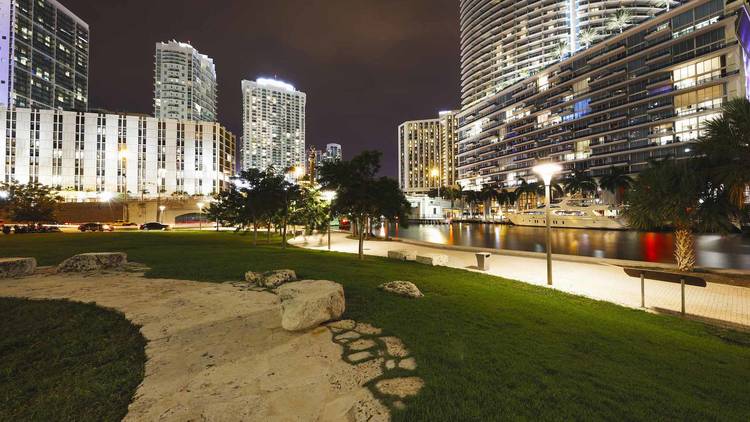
[[253, 277], [16, 267], [273, 279], [93, 262], [402, 255], [434, 259], [402, 288], [307, 304]]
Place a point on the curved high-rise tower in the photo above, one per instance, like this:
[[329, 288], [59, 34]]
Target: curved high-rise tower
[[504, 41]]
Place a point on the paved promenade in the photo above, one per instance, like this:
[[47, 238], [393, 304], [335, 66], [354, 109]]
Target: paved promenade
[[598, 281]]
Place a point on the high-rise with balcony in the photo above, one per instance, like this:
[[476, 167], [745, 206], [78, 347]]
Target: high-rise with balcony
[[273, 132], [184, 83], [633, 97], [44, 56], [504, 41]]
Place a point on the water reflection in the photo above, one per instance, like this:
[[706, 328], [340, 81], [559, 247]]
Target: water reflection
[[731, 251]]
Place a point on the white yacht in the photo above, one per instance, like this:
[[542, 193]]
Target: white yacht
[[575, 213]]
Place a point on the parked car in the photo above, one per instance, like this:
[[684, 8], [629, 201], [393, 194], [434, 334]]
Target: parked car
[[154, 226], [95, 227]]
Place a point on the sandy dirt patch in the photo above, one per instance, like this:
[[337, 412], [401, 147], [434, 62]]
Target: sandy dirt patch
[[217, 352]]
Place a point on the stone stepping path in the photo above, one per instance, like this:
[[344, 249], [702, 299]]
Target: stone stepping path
[[365, 344]]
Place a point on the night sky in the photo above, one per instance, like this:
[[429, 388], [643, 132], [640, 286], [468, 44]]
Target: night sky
[[366, 65]]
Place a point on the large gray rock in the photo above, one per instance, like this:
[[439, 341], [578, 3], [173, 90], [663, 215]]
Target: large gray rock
[[307, 304], [16, 267], [271, 279], [93, 262], [402, 288]]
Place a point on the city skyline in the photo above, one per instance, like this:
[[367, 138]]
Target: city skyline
[[354, 79]]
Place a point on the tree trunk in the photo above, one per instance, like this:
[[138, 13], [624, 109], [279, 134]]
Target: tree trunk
[[361, 229], [255, 233], [684, 249], [268, 232], [385, 229]]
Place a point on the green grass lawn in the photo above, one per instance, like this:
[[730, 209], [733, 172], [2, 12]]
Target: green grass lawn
[[488, 348], [66, 361]]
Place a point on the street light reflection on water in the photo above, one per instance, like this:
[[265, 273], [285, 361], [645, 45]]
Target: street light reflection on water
[[732, 251]]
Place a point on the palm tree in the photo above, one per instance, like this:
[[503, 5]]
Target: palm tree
[[663, 3], [676, 193], [619, 20], [524, 192], [617, 181], [561, 49], [588, 36], [725, 149], [506, 198], [470, 197], [486, 195], [579, 182]]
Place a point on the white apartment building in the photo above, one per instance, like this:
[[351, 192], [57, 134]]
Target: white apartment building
[[93, 156], [273, 132], [185, 85]]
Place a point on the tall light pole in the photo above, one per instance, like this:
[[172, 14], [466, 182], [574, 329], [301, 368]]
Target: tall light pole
[[546, 172], [200, 219], [161, 213], [435, 173], [329, 196]]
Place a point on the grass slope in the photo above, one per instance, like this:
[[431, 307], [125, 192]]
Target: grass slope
[[67, 361], [488, 348]]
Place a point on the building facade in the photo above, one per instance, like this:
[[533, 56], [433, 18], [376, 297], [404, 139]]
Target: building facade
[[504, 41], [273, 131], [90, 156], [640, 95], [185, 85], [419, 150], [448, 147], [44, 56], [334, 152]]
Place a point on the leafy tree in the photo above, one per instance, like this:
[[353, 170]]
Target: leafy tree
[[562, 48], [725, 149], [617, 181], [359, 194], [391, 203], [31, 202], [223, 209], [310, 210], [579, 183], [677, 193]]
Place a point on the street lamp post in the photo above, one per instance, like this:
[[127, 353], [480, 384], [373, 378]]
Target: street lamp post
[[161, 213], [329, 196], [547, 171], [200, 219]]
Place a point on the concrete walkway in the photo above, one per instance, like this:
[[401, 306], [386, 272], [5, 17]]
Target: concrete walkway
[[718, 302]]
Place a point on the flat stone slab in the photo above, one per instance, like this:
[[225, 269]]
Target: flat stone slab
[[400, 387], [16, 267], [409, 364], [434, 259], [395, 347], [307, 304], [363, 344], [93, 262], [358, 357], [403, 255]]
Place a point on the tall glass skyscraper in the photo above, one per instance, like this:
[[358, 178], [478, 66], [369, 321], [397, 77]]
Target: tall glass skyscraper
[[273, 133], [44, 56], [184, 83], [505, 41]]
